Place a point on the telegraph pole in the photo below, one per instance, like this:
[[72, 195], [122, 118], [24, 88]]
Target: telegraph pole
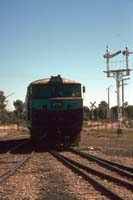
[[108, 111], [108, 108], [108, 97], [124, 79], [117, 74], [123, 101], [119, 111]]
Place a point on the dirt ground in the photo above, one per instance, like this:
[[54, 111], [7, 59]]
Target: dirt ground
[[102, 138], [108, 144]]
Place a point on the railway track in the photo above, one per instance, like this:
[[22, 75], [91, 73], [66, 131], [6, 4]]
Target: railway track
[[10, 162], [109, 185], [121, 169]]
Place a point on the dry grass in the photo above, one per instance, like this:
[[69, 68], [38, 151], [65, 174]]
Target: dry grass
[[107, 131]]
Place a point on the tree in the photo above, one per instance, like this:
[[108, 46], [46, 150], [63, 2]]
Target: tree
[[114, 113], [102, 110], [86, 113], [18, 104], [129, 111], [3, 112], [2, 101]]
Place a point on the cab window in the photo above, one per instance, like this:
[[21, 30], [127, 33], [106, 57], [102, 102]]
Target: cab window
[[69, 91], [43, 91]]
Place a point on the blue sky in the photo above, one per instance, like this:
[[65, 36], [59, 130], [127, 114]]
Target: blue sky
[[40, 38]]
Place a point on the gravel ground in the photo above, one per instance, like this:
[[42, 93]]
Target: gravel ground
[[115, 148], [125, 193], [44, 178]]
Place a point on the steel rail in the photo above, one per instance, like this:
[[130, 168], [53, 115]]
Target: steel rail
[[102, 163], [118, 181], [12, 169], [124, 167], [98, 186]]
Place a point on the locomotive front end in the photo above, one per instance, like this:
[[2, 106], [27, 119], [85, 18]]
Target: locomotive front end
[[56, 111]]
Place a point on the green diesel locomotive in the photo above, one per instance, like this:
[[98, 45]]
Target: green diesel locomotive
[[54, 108]]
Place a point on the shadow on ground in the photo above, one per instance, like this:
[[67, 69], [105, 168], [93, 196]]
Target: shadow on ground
[[26, 147]]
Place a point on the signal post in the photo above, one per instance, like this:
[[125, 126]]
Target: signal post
[[118, 74]]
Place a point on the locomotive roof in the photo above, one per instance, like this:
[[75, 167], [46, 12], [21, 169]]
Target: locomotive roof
[[53, 79]]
